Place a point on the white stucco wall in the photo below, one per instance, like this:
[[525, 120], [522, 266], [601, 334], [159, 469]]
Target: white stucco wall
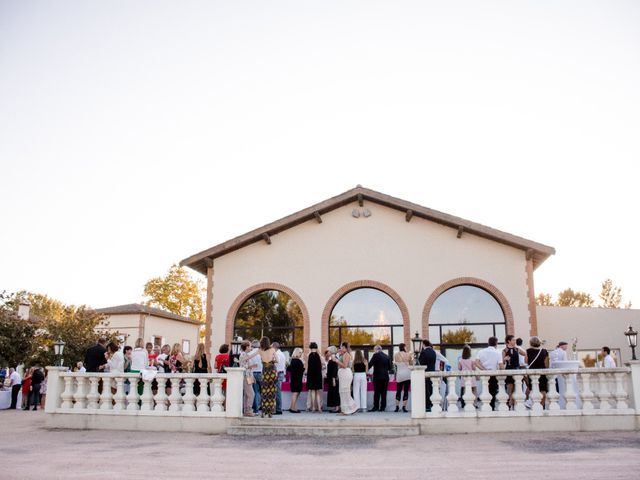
[[594, 327], [173, 331], [414, 258]]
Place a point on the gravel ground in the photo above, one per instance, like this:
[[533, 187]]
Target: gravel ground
[[30, 451]]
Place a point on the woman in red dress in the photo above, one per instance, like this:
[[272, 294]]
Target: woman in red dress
[[221, 362], [26, 388]]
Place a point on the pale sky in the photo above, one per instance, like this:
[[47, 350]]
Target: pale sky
[[136, 133]]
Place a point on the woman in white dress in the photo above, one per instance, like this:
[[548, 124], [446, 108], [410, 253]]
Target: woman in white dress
[[345, 378]]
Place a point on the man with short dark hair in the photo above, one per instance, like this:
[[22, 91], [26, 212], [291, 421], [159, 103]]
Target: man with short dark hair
[[36, 381], [16, 384], [381, 365], [607, 359], [95, 357], [490, 359], [428, 357]]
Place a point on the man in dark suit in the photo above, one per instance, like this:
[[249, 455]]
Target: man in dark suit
[[381, 365], [428, 357], [95, 357]]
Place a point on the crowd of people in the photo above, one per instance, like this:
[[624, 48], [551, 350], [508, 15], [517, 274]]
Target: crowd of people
[[344, 373]]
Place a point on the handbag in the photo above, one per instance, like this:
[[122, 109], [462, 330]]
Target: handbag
[[250, 379], [402, 372]]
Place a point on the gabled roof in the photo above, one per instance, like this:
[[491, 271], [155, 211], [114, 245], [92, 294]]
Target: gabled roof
[[199, 261], [133, 308]]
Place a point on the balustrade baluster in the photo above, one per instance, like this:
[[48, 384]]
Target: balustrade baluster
[[436, 397], [67, 395], [552, 394], [80, 395], [161, 395], [503, 397], [485, 396], [189, 398], [147, 396], [535, 395], [119, 397], [570, 392], [106, 396], [217, 399], [133, 397], [203, 398], [175, 398], [604, 394], [469, 397], [621, 395], [587, 394], [519, 396], [93, 396], [452, 397]]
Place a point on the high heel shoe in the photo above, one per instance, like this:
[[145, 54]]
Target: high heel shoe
[[397, 409]]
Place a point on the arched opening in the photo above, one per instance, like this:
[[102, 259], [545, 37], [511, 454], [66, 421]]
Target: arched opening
[[271, 313], [465, 315], [365, 317]]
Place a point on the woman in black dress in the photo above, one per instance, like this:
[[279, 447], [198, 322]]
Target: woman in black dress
[[296, 370], [199, 366], [314, 376], [333, 394], [538, 358]]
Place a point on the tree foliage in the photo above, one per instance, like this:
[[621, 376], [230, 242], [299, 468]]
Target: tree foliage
[[50, 319], [611, 296], [177, 293], [569, 298], [544, 299], [460, 336], [270, 313]]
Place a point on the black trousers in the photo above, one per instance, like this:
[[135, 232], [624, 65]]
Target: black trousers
[[380, 387], [15, 390], [34, 395], [428, 391], [402, 386]]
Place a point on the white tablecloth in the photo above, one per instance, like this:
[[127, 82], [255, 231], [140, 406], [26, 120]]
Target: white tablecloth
[[5, 399]]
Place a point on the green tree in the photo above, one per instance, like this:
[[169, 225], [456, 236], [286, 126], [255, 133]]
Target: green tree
[[17, 336], [270, 313], [460, 336], [569, 298], [50, 319], [177, 293], [544, 299]]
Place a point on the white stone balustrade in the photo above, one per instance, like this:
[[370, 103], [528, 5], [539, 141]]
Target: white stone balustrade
[[117, 393], [586, 391]]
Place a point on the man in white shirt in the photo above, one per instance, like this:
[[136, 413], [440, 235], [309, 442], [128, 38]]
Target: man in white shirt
[[16, 384], [490, 359], [607, 360], [280, 369], [558, 355]]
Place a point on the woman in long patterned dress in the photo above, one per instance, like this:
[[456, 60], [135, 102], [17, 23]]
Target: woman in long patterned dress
[[269, 378], [345, 378]]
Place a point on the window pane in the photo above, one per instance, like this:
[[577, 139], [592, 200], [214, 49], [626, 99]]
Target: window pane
[[466, 304], [434, 334], [366, 335], [366, 306], [398, 335], [501, 332], [334, 336]]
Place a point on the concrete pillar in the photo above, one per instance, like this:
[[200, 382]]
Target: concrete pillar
[[55, 387], [635, 384], [235, 391], [418, 405]]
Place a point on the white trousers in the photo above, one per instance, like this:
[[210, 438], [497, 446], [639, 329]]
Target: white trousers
[[360, 389]]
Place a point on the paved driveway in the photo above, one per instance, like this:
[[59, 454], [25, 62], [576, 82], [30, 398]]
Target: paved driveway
[[29, 451]]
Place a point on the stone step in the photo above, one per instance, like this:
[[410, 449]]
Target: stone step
[[324, 430]]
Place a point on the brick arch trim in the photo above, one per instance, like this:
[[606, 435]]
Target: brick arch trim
[[476, 282], [342, 291], [260, 287]]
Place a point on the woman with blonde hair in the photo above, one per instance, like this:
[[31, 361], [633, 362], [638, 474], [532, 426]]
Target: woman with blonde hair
[[296, 370], [269, 377], [402, 360], [247, 361], [176, 358], [345, 378], [199, 366]]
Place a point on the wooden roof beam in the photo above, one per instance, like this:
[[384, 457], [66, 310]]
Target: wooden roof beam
[[360, 200], [460, 230], [317, 216], [409, 215], [266, 238]]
